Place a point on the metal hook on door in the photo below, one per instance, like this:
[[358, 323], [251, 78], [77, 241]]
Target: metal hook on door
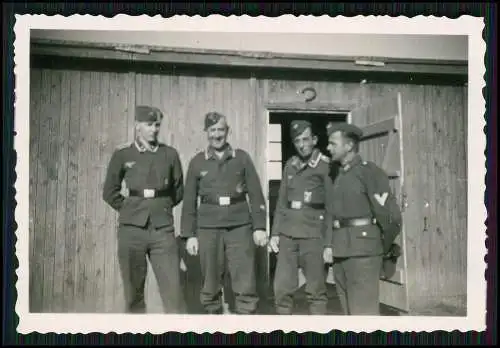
[[310, 93]]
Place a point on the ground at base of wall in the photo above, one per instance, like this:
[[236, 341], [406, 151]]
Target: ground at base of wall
[[453, 306]]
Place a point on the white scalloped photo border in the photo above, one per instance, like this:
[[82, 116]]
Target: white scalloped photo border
[[157, 324]]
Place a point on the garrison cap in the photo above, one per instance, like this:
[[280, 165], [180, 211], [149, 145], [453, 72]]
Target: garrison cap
[[212, 118], [297, 127], [145, 113], [344, 127]]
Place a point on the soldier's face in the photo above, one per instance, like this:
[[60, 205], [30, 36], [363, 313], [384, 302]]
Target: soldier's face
[[305, 143], [217, 134], [338, 146], [149, 130]]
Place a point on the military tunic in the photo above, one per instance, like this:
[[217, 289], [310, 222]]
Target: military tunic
[[146, 223], [217, 212], [215, 181], [301, 220], [159, 170], [357, 239]]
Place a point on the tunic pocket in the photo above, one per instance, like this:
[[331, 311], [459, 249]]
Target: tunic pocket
[[366, 240], [367, 233]]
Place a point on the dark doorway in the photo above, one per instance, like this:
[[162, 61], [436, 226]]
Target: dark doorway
[[319, 122]]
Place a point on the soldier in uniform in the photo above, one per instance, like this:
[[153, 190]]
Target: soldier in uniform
[[224, 224], [153, 175], [301, 222], [366, 220]]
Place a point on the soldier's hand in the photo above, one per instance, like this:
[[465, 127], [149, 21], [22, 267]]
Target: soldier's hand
[[192, 246], [260, 238], [274, 244], [328, 255]]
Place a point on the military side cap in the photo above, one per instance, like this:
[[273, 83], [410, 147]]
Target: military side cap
[[147, 114], [297, 127], [344, 127], [212, 118]]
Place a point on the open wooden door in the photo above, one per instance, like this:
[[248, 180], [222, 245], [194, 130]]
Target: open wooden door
[[382, 144]]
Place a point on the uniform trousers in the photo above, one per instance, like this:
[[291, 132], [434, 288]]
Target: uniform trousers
[[235, 245], [160, 246], [357, 284], [306, 253]]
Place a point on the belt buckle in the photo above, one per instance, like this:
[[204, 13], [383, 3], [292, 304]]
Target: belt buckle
[[296, 204], [149, 193], [224, 201]]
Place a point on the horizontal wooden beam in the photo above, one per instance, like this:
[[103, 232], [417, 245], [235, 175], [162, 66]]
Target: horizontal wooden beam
[[310, 107], [155, 54]]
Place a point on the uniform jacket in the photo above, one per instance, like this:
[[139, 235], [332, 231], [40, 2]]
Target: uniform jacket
[[235, 176], [307, 183], [141, 170], [355, 192]]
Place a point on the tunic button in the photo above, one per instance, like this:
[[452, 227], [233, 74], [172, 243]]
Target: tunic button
[[363, 234]]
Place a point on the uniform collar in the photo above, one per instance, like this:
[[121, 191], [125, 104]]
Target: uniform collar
[[313, 160], [228, 152], [354, 162], [141, 148]]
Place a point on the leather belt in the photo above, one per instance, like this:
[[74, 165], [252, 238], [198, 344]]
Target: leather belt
[[222, 200], [353, 222], [297, 205], [149, 193]]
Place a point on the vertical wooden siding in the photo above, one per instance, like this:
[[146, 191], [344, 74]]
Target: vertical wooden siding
[[78, 118], [435, 123]]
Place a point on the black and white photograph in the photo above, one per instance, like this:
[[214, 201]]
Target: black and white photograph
[[250, 174]]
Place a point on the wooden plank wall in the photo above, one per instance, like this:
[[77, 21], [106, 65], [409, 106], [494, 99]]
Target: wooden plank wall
[[72, 235], [436, 177], [79, 117]]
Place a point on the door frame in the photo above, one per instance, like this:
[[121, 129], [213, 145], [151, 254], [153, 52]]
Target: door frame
[[296, 107]]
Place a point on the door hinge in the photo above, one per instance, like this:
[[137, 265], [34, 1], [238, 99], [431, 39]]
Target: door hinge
[[404, 201]]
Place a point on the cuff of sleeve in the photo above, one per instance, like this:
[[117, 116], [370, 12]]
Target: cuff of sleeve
[[259, 223], [185, 234]]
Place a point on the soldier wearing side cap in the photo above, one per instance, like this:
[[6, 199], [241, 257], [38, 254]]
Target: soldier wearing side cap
[[366, 220], [224, 224], [301, 223], [154, 179]]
